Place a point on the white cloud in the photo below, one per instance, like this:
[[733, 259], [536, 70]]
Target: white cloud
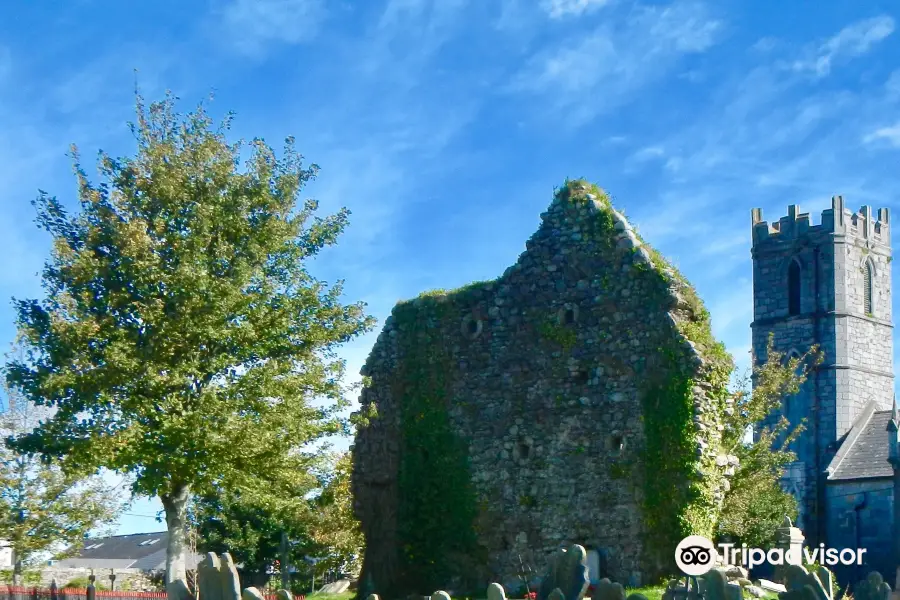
[[890, 134], [892, 85], [252, 24], [648, 153], [597, 72], [764, 45], [852, 41], [558, 9]]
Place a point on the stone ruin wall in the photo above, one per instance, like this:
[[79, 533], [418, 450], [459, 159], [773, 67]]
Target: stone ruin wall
[[553, 433], [134, 580]]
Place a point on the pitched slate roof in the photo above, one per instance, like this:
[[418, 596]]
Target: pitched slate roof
[[145, 551], [864, 452]]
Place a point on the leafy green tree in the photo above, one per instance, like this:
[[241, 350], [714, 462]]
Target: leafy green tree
[[335, 527], [756, 504], [43, 507], [250, 531], [325, 530], [182, 340]]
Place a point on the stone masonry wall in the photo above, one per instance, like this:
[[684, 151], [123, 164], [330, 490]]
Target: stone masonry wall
[[857, 347], [547, 374], [134, 580], [857, 514]]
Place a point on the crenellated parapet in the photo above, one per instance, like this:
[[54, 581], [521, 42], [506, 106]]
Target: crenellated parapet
[[837, 219]]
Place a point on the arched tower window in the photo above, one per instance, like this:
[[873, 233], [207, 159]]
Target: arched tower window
[[868, 285], [794, 288]]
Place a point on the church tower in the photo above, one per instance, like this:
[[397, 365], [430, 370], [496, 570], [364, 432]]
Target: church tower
[[825, 285]]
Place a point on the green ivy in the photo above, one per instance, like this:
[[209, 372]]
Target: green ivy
[[437, 503], [565, 337], [619, 471], [676, 502]]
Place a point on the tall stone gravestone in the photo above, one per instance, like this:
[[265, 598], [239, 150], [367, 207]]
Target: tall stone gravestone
[[567, 572]]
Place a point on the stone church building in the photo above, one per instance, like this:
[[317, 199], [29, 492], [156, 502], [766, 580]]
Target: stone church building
[[577, 398], [829, 285], [571, 400]]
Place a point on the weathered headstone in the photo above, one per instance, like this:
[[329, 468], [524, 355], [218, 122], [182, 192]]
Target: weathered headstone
[[440, 595], [771, 586], [804, 593], [251, 593], [495, 592], [568, 572], [229, 582], [606, 590], [208, 577], [715, 587], [796, 578], [283, 594], [872, 587], [733, 591]]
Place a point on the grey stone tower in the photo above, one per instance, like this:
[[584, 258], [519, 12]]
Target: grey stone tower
[[827, 285]]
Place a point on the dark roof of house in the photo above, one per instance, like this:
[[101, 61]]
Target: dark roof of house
[[145, 551], [864, 452]]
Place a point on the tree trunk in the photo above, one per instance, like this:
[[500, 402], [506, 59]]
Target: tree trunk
[[175, 505], [17, 569]]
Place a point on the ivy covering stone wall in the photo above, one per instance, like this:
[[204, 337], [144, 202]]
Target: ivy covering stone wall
[[575, 399]]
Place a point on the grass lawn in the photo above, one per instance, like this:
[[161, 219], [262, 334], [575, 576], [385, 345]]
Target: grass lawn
[[348, 595], [652, 593]]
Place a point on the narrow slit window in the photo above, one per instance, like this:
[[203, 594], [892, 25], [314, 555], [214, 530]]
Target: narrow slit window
[[794, 288], [867, 288]]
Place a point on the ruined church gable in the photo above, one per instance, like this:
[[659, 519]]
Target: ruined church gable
[[544, 377]]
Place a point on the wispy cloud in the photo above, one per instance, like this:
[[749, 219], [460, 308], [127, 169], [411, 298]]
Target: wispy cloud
[[648, 153], [254, 24], [558, 9], [892, 85], [765, 44], [852, 41], [890, 134], [592, 73]]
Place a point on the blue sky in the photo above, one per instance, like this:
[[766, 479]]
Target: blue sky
[[444, 125]]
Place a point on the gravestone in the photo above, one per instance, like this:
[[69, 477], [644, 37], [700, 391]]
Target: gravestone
[[567, 572], [208, 579], [872, 587], [495, 592], [797, 578], [804, 593], [229, 582], [607, 590], [715, 585], [251, 593]]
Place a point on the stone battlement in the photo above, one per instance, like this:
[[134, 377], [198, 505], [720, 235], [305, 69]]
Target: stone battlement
[[836, 219]]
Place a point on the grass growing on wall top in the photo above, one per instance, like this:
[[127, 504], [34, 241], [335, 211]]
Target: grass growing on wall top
[[676, 502]]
